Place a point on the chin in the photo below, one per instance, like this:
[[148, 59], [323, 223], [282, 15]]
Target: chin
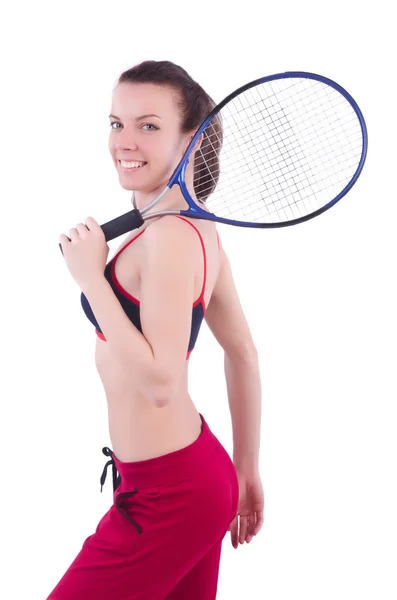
[[127, 186]]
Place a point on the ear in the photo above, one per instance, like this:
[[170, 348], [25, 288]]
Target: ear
[[198, 142]]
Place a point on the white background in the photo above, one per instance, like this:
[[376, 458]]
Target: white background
[[319, 297]]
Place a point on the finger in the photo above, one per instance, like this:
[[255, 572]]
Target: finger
[[92, 224], [248, 532], [252, 524], [74, 234], [251, 528], [259, 521], [63, 239], [243, 528], [234, 541], [82, 229], [234, 532]]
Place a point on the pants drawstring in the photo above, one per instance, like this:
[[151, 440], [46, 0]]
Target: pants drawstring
[[116, 482]]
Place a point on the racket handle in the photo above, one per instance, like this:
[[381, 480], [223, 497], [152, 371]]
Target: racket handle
[[120, 225]]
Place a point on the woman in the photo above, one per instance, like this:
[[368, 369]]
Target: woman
[[176, 490]]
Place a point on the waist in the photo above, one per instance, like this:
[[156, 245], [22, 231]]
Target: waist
[[139, 431], [175, 465], [117, 380]]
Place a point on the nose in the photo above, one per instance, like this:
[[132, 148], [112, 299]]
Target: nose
[[126, 141], [129, 146]]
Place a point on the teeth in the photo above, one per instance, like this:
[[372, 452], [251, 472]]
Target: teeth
[[131, 165]]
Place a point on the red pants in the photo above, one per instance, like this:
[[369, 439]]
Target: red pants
[[162, 537]]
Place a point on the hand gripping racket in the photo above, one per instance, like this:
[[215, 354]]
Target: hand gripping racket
[[277, 151]]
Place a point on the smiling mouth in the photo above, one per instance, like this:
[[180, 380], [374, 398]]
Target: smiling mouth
[[132, 166]]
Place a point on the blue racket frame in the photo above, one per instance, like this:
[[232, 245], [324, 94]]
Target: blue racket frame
[[179, 173]]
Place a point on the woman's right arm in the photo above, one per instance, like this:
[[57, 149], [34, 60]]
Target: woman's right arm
[[227, 322]]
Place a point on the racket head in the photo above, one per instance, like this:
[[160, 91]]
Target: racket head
[[286, 107]]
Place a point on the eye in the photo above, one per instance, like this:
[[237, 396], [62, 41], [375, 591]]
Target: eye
[[150, 125], [114, 123]]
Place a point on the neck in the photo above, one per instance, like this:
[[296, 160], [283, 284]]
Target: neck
[[172, 200]]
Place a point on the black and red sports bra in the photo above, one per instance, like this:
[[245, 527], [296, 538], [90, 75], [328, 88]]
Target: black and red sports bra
[[131, 305]]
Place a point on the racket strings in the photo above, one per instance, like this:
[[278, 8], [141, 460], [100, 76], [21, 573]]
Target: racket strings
[[301, 159], [298, 169], [274, 138], [250, 143], [276, 176], [286, 149], [257, 148], [251, 140]]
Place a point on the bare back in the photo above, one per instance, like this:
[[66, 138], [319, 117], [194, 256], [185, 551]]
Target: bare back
[[138, 430]]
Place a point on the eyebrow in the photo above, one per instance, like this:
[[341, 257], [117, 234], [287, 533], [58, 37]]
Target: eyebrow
[[137, 119]]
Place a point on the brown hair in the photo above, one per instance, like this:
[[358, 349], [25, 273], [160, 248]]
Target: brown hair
[[195, 105]]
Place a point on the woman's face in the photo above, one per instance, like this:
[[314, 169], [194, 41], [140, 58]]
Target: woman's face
[[145, 130]]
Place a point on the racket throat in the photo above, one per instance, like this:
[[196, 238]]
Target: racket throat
[[155, 201]]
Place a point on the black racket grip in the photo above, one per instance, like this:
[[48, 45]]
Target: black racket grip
[[120, 225]]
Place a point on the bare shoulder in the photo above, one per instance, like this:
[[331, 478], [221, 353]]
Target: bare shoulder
[[169, 228], [181, 233], [225, 316]]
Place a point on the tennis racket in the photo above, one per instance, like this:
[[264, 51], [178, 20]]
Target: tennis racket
[[276, 152]]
